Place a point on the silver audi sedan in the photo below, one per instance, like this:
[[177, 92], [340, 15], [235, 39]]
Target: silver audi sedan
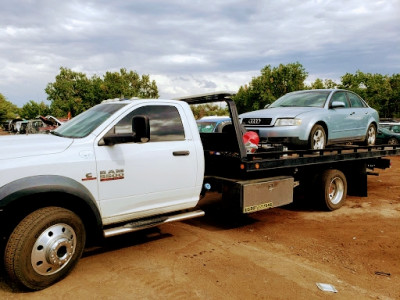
[[313, 119]]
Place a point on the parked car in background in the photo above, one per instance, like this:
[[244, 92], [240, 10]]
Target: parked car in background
[[389, 134], [314, 119], [34, 126], [389, 125], [13, 125], [50, 123], [20, 126], [213, 124], [6, 125]]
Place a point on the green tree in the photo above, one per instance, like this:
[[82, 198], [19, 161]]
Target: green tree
[[128, 84], [330, 84], [270, 85], [317, 84], [376, 89], [74, 92], [209, 109], [7, 109], [394, 104], [323, 84], [32, 110], [71, 92]]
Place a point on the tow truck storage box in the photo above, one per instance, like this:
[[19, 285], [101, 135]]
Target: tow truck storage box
[[258, 194]]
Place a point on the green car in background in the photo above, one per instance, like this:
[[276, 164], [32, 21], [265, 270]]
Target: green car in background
[[213, 124], [388, 134]]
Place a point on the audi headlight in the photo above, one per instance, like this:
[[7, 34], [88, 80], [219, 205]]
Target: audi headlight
[[288, 122]]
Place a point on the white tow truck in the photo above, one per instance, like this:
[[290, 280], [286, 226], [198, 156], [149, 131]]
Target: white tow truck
[[128, 165]]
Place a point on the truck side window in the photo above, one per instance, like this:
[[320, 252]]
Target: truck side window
[[165, 123]]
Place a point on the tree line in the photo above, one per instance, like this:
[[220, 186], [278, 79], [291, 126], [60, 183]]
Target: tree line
[[73, 92]]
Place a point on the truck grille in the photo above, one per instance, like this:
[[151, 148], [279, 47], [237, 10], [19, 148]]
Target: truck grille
[[257, 121]]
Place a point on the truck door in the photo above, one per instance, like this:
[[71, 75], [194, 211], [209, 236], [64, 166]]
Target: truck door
[[142, 179]]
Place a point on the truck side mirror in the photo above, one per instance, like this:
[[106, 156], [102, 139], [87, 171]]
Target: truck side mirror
[[141, 128]]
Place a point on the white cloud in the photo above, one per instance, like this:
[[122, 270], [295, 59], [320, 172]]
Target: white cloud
[[183, 59], [192, 46], [175, 86]]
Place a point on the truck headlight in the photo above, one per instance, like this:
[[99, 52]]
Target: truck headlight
[[288, 122]]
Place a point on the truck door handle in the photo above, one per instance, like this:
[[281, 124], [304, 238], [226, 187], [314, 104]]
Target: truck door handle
[[181, 153]]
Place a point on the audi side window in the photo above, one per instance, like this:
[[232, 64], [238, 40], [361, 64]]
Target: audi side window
[[165, 123], [355, 100], [340, 97]]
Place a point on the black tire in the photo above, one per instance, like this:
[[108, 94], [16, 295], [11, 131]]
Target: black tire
[[370, 136], [317, 139], [44, 247], [333, 189], [393, 141]]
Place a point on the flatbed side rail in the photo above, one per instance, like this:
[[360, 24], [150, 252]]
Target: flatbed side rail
[[285, 159]]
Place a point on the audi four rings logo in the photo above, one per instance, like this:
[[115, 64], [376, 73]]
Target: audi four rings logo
[[254, 121]]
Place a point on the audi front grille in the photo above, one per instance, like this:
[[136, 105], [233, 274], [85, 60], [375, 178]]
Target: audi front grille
[[257, 121]]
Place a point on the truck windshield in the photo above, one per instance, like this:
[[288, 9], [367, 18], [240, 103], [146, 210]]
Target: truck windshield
[[84, 123]]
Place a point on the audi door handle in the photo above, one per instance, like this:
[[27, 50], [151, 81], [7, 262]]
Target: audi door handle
[[181, 153]]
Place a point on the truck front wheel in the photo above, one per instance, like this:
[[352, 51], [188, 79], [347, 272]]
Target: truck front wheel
[[44, 247], [333, 189]]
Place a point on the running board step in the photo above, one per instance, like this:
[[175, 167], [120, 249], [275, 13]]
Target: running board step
[[153, 222]]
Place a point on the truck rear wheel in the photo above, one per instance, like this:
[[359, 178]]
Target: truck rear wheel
[[44, 247], [333, 189]]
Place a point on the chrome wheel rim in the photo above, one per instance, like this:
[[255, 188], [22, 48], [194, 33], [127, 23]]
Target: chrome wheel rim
[[336, 190], [319, 140], [371, 135], [53, 249]]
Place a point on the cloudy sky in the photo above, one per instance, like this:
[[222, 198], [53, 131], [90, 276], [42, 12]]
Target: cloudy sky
[[191, 47]]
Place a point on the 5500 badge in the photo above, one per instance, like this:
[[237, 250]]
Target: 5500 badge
[[112, 175]]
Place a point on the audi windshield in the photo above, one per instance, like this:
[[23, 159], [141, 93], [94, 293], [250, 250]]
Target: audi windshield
[[302, 99]]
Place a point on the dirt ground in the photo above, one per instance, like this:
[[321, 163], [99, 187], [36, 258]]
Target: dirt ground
[[280, 253]]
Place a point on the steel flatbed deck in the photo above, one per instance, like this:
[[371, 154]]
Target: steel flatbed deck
[[290, 159]]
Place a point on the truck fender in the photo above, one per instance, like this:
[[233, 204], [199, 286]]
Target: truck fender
[[48, 183]]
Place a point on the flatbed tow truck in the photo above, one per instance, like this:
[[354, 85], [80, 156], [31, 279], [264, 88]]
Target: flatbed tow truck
[[127, 165]]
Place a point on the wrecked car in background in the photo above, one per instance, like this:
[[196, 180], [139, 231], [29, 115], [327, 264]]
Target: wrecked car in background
[[50, 123], [39, 125]]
